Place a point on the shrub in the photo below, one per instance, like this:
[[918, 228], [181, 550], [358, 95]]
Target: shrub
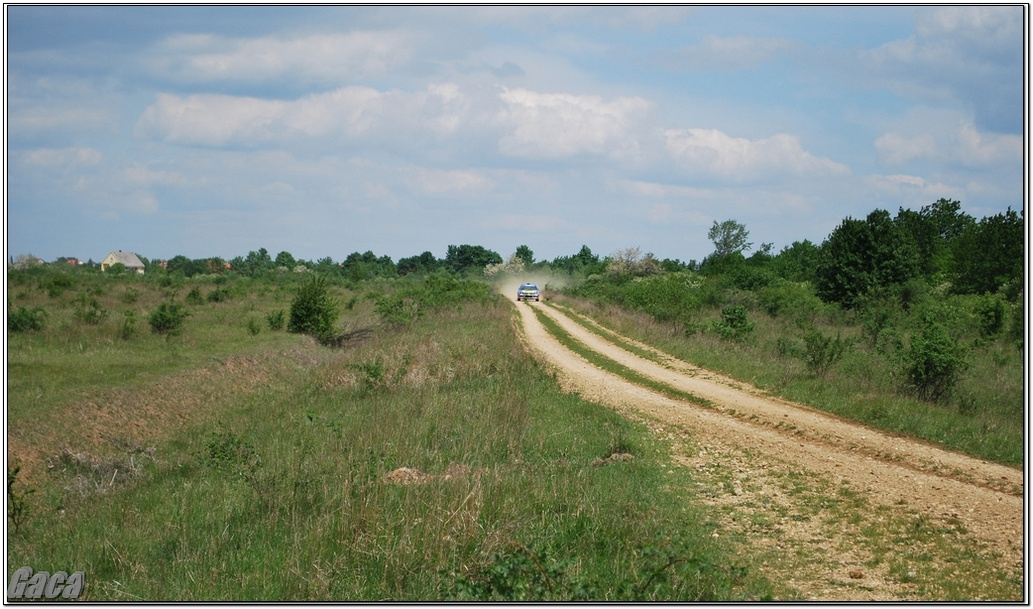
[[89, 312], [17, 504], [24, 319], [130, 296], [991, 312], [785, 297], [128, 328], [194, 296], [252, 327], [1018, 325], [821, 352], [168, 318], [934, 362], [734, 324], [314, 311], [219, 295], [276, 320], [56, 283], [874, 321]]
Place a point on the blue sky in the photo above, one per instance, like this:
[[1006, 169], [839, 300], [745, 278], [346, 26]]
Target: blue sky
[[322, 131]]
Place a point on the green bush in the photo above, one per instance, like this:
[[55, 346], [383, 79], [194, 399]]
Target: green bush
[[24, 319], [934, 362], [89, 312], [436, 291], [789, 298], [276, 320], [56, 283], [991, 312], [168, 318], [194, 296], [219, 295], [314, 311], [128, 329], [130, 295], [734, 324], [1018, 325], [822, 352]]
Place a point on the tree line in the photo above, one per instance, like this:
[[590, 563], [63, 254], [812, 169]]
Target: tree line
[[939, 244]]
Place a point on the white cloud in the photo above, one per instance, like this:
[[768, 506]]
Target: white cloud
[[977, 148], [557, 125], [438, 182], [654, 189], [912, 189], [712, 152], [965, 145], [897, 149], [221, 120], [971, 55], [62, 158], [317, 57]]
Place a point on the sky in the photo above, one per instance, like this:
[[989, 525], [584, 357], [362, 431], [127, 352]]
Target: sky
[[325, 130]]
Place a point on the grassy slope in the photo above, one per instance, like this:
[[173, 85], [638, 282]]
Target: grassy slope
[[220, 465], [864, 386]]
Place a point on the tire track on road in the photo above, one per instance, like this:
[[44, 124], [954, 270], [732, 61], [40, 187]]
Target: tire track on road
[[987, 498]]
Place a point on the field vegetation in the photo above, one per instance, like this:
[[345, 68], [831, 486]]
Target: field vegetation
[[280, 429], [420, 455]]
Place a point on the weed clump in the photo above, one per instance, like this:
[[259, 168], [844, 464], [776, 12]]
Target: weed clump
[[25, 319]]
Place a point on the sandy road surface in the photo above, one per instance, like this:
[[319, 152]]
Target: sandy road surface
[[987, 499]]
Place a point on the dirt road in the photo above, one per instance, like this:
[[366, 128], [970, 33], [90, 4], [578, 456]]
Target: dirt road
[[746, 446]]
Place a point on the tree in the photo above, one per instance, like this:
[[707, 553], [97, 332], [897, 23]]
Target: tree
[[422, 264], [989, 254], [285, 259], [524, 253], [461, 258], [629, 261], [862, 255], [584, 261], [796, 262], [729, 237]]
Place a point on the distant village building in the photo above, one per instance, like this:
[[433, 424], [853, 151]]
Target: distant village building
[[127, 259]]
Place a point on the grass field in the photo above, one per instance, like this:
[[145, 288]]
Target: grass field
[[434, 460]]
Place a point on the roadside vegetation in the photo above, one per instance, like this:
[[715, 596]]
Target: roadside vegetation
[[269, 428], [892, 322], [421, 455]]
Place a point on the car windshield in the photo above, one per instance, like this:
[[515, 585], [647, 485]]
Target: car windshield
[[528, 286]]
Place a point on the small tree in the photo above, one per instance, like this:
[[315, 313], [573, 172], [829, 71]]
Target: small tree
[[729, 237], [524, 253], [314, 311], [168, 319]]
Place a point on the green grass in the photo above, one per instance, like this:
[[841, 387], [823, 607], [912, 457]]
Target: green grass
[[274, 484], [985, 420]]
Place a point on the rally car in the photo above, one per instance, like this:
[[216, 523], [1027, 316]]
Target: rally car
[[528, 291]]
